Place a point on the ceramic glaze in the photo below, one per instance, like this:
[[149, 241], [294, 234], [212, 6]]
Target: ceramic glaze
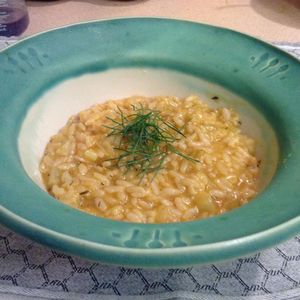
[[35, 69]]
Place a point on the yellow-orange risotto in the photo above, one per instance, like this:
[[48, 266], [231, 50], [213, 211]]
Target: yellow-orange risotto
[[216, 171]]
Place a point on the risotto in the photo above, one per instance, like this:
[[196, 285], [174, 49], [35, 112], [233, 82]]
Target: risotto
[[196, 162]]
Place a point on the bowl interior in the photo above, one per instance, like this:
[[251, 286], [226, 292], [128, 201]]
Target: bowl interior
[[52, 110]]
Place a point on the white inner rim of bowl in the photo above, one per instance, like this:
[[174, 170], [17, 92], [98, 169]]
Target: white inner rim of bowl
[[51, 112]]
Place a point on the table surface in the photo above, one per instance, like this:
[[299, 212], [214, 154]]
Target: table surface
[[277, 20]]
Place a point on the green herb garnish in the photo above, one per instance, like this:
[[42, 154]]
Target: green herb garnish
[[145, 140]]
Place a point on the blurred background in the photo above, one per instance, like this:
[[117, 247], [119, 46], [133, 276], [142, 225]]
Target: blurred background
[[271, 20]]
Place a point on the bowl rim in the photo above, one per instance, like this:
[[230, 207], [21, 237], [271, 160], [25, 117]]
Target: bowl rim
[[241, 245], [147, 258]]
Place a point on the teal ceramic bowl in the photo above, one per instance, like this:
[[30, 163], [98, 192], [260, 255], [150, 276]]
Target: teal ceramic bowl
[[47, 78]]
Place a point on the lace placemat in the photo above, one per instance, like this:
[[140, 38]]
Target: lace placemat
[[31, 271]]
